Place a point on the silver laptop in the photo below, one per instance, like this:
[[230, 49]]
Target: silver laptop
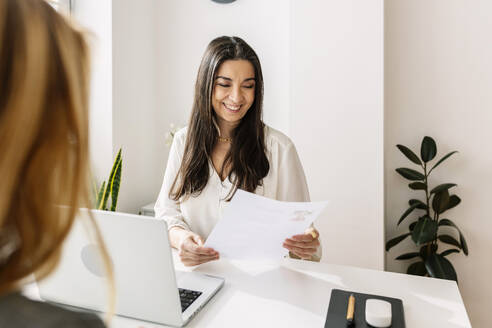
[[147, 286]]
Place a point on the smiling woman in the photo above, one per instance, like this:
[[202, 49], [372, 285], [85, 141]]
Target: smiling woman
[[233, 92], [227, 146]]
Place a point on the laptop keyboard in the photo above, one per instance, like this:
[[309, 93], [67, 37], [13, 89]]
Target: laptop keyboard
[[187, 297]]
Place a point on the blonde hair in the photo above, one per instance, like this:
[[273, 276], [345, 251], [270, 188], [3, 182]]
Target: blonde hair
[[44, 81]]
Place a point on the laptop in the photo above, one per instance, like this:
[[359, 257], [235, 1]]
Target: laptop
[[147, 286]]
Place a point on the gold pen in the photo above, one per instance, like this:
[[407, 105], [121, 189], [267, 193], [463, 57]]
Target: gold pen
[[350, 310]]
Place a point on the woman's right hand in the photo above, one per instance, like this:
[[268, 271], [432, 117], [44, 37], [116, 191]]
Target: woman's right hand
[[192, 252]]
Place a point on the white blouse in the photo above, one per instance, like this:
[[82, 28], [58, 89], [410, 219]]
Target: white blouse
[[285, 181]]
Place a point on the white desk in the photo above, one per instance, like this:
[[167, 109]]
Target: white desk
[[297, 294]]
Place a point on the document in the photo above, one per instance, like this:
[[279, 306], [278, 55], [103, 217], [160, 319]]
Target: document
[[254, 227]]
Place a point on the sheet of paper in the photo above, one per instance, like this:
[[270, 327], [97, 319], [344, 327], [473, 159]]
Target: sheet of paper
[[255, 227]]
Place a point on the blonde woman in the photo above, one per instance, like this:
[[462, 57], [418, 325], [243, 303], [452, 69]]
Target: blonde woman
[[43, 154]]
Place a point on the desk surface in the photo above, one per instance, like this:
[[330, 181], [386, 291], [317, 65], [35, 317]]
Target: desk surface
[[297, 293]]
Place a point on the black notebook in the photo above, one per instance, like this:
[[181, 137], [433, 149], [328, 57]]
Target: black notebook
[[337, 310]]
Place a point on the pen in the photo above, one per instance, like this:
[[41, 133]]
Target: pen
[[350, 310]]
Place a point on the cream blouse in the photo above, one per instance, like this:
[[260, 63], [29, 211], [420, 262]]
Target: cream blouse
[[285, 181]]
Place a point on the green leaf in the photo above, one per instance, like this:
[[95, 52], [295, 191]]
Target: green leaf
[[410, 174], [417, 269], [100, 194], [409, 154], [407, 212], [428, 149], [115, 164], [425, 231], [421, 204], [439, 267], [104, 197], [441, 187], [412, 226], [115, 185], [407, 256], [440, 202], [442, 160], [112, 176], [424, 250], [463, 244], [453, 201], [450, 251], [108, 186], [95, 194], [449, 240], [417, 186], [396, 240]]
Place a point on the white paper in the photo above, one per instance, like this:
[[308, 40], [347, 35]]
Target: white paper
[[255, 227]]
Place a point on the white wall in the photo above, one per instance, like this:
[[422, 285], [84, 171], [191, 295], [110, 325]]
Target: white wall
[[136, 109], [438, 83], [95, 17], [185, 27], [337, 121], [124, 107]]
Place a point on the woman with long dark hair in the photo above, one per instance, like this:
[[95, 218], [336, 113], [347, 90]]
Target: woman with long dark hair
[[227, 146]]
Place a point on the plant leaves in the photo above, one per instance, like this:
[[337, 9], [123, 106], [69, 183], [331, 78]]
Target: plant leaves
[[396, 240], [104, 196], [421, 206], [410, 174], [407, 212], [417, 186], [441, 187], [453, 201], [425, 231], [407, 256], [95, 194], [115, 184], [440, 267], [424, 250], [115, 164], [412, 226], [449, 240], [450, 251], [111, 181], [440, 202], [428, 149], [409, 154], [417, 269], [463, 244], [442, 160], [100, 194]]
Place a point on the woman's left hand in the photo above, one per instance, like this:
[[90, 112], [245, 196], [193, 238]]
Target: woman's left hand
[[305, 245]]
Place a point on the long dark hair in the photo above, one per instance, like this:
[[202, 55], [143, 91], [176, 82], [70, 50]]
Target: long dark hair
[[247, 157]]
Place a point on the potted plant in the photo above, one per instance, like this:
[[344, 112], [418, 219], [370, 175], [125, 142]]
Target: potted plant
[[426, 230], [112, 187]]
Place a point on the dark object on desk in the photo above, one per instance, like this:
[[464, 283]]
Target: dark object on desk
[[336, 320], [337, 310]]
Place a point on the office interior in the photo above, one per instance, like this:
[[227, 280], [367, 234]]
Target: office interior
[[346, 80]]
